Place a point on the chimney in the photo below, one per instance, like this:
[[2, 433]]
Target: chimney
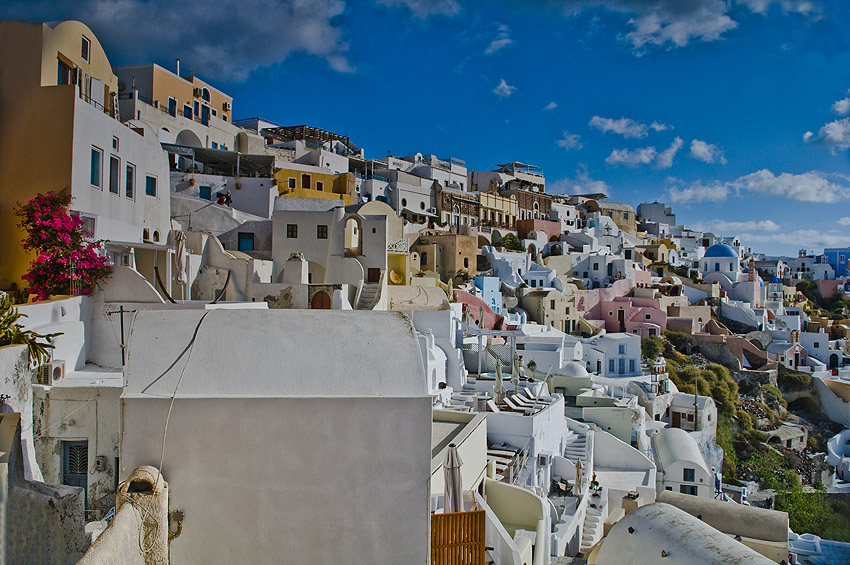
[[178, 67]]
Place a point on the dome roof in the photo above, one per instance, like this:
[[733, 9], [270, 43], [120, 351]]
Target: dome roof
[[573, 369], [720, 250], [776, 280]]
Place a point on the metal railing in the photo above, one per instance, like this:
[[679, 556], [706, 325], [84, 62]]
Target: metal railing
[[457, 538]]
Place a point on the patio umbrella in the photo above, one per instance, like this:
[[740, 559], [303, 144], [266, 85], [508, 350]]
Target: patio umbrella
[[481, 317], [454, 484], [517, 365], [180, 239], [499, 389], [577, 488]]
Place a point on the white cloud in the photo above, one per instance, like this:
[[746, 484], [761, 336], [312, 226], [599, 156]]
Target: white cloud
[[645, 156], [806, 239], [503, 89], [657, 126], [842, 107], [697, 192], [624, 126], [569, 141], [812, 186], [642, 156], [845, 221], [665, 158], [551, 106], [707, 152], [805, 7], [666, 22], [502, 40], [423, 9], [581, 184], [227, 39], [834, 134], [722, 226]]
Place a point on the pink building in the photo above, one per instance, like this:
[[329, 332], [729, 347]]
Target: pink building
[[642, 316]]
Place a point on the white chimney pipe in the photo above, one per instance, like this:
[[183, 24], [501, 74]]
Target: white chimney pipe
[[178, 67]]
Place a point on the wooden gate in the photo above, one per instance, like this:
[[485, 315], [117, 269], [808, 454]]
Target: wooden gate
[[458, 538]]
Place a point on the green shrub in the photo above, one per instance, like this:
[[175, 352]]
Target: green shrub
[[793, 381]]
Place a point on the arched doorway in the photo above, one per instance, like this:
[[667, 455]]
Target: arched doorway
[[321, 301], [833, 361], [353, 237]]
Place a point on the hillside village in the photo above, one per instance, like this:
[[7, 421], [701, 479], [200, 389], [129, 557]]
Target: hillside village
[[504, 375]]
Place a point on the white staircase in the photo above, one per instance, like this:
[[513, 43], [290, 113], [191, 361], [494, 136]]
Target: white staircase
[[577, 448], [592, 530]]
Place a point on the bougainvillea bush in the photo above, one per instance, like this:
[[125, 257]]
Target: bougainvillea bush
[[65, 251]]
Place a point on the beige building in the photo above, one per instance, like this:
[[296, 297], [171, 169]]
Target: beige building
[[447, 254], [551, 307], [498, 211]]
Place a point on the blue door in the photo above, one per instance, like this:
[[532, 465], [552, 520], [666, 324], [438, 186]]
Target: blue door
[[205, 115], [75, 464]]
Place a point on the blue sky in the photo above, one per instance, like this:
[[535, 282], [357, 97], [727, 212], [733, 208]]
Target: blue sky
[[733, 112]]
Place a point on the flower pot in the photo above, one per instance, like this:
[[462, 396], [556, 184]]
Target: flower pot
[[191, 182], [238, 185]]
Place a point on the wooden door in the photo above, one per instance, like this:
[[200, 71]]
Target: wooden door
[[321, 301]]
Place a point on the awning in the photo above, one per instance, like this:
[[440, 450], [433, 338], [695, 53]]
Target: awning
[[227, 162]]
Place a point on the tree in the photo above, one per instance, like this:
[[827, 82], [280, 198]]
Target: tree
[[66, 255], [512, 243], [651, 347]]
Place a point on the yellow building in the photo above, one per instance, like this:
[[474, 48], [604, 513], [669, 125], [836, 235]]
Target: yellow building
[[305, 181], [60, 131], [498, 211]]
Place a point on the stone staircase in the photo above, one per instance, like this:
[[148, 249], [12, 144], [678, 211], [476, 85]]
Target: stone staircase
[[370, 295], [593, 527], [576, 447]]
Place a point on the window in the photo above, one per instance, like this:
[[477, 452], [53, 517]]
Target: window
[[322, 231], [320, 186], [611, 365], [649, 316], [688, 489], [115, 143], [196, 107], [96, 163], [205, 94], [668, 488], [404, 201], [187, 111], [130, 182], [625, 215], [596, 266], [291, 231], [421, 205], [552, 304], [291, 182], [246, 242], [305, 181], [156, 235], [688, 475], [172, 106], [424, 258], [150, 185], [205, 192], [622, 349], [631, 365], [146, 234], [66, 74], [114, 172], [85, 49], [817, 345]]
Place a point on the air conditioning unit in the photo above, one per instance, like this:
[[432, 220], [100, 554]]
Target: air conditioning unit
[[50, 373], [432, 210], [227, 106], [197, 92]]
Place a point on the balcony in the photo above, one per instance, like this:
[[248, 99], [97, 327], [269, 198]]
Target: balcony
[[398, 246]]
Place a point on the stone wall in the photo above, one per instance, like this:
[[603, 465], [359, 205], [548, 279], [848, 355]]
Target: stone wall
[[39, 523]]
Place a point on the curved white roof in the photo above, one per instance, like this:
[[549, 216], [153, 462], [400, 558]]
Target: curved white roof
[[673, 444], [661, 533], [273, 353]]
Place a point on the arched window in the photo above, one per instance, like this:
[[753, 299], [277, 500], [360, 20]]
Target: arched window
[[353, 244], [205, 94], [456, 214]]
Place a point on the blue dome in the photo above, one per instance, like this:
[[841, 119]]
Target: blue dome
[[776, 280], [720, 250]]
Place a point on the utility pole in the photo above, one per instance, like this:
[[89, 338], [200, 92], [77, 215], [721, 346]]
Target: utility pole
[[121, 313]]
